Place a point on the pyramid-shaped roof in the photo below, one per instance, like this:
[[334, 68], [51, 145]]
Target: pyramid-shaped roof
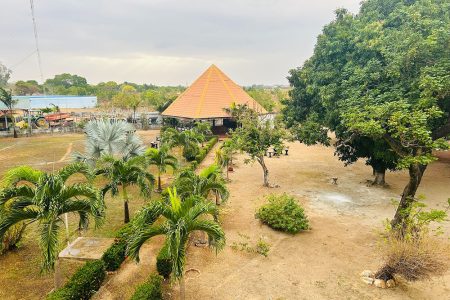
[[208, 96]]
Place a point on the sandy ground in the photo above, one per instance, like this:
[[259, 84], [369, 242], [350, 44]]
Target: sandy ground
[[323, 263]]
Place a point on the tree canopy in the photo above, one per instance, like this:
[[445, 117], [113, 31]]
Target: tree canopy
[[382, 74]]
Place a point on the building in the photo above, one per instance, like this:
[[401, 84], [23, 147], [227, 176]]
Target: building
[[208, 97]]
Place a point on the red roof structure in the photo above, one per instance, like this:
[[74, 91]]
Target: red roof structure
[[208, 96]]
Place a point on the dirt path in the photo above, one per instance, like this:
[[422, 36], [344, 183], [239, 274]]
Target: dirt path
[[68, 151], [121, 284], [323, 263]]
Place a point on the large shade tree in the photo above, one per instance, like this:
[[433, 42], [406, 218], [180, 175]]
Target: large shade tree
[[178, 220], [33, 196], [382, 74]]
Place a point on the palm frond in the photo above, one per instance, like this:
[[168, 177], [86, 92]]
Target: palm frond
[[14, 216], [215, 233], [12, 193], [49, 243], [21, 173], [137, 239], [76, 168]]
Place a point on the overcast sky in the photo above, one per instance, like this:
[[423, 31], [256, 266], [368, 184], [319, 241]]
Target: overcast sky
[[164, 42]]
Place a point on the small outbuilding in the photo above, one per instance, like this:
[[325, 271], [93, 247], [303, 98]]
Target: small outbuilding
[[208, 97]]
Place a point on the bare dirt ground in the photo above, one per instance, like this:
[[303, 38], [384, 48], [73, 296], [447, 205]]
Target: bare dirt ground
[[323, 263]]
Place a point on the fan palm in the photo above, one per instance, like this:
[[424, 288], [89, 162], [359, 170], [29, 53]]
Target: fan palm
[[207, 181], [32, 196], [110, 138], [124, 173], [9, 102], [181, 218], [161, 159]]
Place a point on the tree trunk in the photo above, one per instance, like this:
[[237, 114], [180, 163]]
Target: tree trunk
[[126, 218], [159, 183], [403, 210], [182, 289], [380, 174], [265, 170]]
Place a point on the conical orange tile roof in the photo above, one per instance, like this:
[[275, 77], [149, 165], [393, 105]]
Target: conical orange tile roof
[[208, 96]]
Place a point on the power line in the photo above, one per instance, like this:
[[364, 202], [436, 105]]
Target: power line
[[37, 42], [23, 59]]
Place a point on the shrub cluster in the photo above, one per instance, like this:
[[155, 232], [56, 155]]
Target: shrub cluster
[[163, 262], [115, 255], [150, 290], [83, 284], [204, 151], [282, 212]]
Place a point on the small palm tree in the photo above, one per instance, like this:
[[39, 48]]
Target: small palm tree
[[110, 138], [209, 180], [9, 102], [123, 173], [188, 139], [161, 159], [37, 197], [181, 218]]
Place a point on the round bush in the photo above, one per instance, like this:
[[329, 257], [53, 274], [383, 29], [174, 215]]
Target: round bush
[[282, 212]]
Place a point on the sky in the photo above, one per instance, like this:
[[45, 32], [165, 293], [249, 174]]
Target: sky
[[163, 42]]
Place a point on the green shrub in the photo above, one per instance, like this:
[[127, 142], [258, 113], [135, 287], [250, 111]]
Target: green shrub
[[282, 212], [163, 262], [205, 150], [150, 290], [83, 284], [190, 151], [114, 256]]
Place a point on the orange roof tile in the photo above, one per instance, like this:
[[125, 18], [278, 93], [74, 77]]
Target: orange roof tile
[[208, 96]]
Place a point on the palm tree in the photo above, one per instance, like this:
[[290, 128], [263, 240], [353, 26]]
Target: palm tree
[[124, 173], [161, 159], [180, 219], [188, 139], [9, 102], [207, 181], [110, 138], [34, 196]]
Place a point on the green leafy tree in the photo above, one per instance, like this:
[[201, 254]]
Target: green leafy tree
[[128, 98], [381, 74], [178, 220], [29, 87], [9, 102], [122, 173], [65, 84], [255, 135], [162, 159], [33, 196]]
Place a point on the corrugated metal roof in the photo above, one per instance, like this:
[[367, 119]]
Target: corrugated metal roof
[[209, 95]]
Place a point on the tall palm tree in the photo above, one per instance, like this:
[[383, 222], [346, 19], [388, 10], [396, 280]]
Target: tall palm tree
[[209, 180], [33, 196], [124, 173], [9, 102], [180, 219], [161, 159], [110, 138]]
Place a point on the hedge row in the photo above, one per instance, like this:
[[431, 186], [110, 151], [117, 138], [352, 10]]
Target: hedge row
[[83, 284], [150, 290], [204, 151], [115, 255]]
